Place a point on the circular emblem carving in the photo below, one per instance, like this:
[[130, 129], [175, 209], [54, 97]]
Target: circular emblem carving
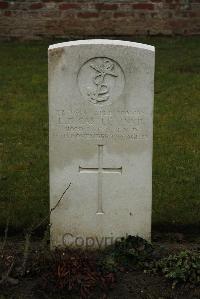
[[101, 80]]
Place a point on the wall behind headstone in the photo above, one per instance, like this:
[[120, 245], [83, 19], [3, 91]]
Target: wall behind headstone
[[62, 19]]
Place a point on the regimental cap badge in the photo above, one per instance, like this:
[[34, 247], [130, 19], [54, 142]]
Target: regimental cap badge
[[101, 80]]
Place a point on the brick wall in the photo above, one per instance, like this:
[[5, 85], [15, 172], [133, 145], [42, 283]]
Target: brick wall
[[49, 19]]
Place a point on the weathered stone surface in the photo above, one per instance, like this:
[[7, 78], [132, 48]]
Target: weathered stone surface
[[100, 113]]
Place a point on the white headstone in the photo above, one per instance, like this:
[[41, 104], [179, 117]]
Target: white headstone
[[101, 123]]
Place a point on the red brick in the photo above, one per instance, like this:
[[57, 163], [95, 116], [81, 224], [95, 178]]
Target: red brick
[[88, 14], [173, 1], [173, 6], [3, 5], [79, 17], [52, 0], [7, 13], [123, 14], [148, 6], [66, 6], [125, 5], [37, 5], [106, 6], [192, 14]]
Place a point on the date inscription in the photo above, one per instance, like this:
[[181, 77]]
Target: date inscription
[[103, 124]]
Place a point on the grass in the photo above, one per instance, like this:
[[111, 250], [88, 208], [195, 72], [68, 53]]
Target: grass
[[24, 132]]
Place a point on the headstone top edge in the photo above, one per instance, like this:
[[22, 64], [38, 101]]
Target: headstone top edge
[[103, 42]]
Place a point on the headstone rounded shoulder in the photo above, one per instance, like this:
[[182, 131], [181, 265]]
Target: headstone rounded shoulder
[[100, 137]]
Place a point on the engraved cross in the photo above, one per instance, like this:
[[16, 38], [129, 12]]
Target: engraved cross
[[100, 171]]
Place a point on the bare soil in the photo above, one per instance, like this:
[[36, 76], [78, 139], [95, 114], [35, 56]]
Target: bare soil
[[128, 284]]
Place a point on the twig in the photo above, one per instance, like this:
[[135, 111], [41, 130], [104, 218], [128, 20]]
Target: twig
[[26, 251], [60, 199], [5, 234], [5, 277], [56, 205], [2, 152], [6, 228], [29, 233]]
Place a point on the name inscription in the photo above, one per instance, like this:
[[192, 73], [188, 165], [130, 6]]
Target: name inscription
[[103, 124]]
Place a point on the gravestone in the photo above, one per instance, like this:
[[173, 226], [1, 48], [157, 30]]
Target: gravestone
[[101, 124]]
